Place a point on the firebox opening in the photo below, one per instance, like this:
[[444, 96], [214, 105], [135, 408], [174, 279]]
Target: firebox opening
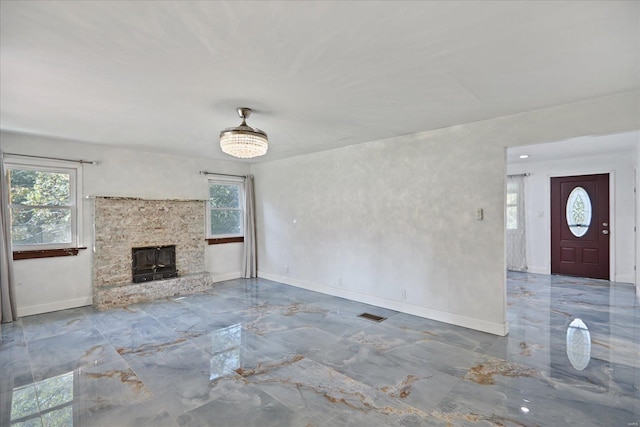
[[153, 263]]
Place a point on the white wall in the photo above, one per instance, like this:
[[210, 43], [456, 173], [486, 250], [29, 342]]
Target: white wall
[[224, 261], [369, 221], [620, 166], [57, 283], [374, 220]]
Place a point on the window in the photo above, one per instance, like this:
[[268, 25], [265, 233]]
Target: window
[[512, 211], [225, 210], [513, 192], [579, 212], [42, 206]]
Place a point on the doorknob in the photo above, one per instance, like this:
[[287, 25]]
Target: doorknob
[[605, 231]]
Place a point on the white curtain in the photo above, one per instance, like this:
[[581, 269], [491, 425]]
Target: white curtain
[[516, 234], [8, 309], [249, 253]]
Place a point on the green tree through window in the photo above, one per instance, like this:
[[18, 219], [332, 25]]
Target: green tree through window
[[225, 209], [41, 205]]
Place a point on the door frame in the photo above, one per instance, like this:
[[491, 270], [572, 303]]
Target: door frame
[[612, 210]]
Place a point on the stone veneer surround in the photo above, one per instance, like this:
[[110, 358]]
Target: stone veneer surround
[[124, 223]]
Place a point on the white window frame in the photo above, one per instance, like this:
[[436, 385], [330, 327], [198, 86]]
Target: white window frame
[[75, 195], [225, 181]]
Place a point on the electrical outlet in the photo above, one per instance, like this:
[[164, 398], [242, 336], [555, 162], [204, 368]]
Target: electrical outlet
[[339, 281], [286, 269], [404, 294]]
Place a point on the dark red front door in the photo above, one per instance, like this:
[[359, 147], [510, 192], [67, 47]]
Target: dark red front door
[[580, 226]]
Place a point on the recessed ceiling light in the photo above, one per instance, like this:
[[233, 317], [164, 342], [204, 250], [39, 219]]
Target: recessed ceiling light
[[524, 156]]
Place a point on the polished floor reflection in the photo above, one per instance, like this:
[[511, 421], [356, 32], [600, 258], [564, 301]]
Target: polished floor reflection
[[260, 353]]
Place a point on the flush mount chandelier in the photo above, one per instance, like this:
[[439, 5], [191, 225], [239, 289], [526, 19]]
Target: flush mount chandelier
[[244, 141]]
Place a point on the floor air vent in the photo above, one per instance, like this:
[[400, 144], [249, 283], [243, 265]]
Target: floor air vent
[[372, 317]]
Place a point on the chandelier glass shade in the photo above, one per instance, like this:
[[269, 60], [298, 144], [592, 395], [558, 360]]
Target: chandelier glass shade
[[244, 141]]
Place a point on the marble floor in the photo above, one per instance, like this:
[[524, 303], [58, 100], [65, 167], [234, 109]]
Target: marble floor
[[260, 353]]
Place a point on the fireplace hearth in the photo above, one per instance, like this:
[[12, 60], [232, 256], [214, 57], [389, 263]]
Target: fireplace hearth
[[153, 263]]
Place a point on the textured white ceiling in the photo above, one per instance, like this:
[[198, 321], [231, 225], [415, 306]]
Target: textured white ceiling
[[167, 76]]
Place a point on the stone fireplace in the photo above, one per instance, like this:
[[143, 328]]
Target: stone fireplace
[[152, 227]]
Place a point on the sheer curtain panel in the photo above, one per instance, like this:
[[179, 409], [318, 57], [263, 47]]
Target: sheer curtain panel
[[516, 234], [8, 309], [249, 252]]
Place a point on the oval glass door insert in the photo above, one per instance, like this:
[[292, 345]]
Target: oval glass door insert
[[579, 212]]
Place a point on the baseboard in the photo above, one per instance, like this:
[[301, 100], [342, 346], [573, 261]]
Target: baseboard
[[619, 278], [226, 276], [441, 316], [624, 278], [54, 306], [538, 270]]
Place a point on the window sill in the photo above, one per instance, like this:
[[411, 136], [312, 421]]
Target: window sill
[[45, 253], [221, 240]]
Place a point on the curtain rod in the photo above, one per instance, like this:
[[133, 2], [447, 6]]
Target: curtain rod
[[82, 162], [518, 174], [221, 174]]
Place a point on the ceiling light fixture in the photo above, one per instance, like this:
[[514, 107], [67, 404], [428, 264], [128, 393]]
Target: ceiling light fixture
[[244, 141], [524, 156]]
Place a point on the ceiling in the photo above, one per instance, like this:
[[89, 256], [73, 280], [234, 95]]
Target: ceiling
[[584, 146], [167, 76]]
